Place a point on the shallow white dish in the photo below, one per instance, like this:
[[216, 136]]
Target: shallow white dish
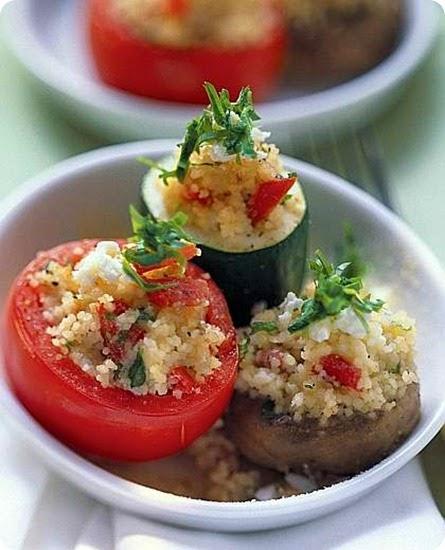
[[88, 196], [48, 38]]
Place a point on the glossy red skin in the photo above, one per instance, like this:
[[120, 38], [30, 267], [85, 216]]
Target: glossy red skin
[[177, 74], [107, 422], [267, 197]]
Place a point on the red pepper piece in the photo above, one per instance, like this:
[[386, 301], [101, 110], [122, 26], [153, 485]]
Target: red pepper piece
[[120, 307], [267, 196], [195, 196], [341, 370], [135, 334]]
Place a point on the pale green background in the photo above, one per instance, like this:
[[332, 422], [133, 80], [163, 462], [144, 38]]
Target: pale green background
[[33, 136]]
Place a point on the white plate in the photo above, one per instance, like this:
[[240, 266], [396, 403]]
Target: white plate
[[88, 196], [48, 38]]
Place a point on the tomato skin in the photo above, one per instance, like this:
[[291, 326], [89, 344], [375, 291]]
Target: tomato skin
[[107, 422], [177, 74], [267, 196]]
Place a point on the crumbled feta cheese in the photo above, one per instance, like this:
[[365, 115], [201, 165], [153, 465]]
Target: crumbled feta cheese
[[103, 262], [234, 118], [259, 136], [321, 331], [348, 322], [291, 302], [219, 153]]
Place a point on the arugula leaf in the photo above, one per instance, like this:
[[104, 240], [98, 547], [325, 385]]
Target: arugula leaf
[[335, 290], [225, 122], [350, 252], [137, 372]]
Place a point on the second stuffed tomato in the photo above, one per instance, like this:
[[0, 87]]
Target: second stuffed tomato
[[160, 50], [129, 365]]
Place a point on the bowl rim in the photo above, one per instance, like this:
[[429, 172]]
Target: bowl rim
[[132, 496], [421, 29]]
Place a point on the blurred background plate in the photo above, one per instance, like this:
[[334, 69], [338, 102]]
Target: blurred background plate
[[48, 38]]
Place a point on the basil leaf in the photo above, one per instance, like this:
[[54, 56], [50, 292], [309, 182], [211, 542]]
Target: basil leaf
[[137, 372]]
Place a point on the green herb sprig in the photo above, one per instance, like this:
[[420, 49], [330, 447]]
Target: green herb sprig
[[137, 373], [349, 251], [153, 242], [225, 122], [335, 291]]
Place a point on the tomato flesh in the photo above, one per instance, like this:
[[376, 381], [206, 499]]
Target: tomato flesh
[[341, 370], [267, 197], [177, 74], [183, 292], [107, 422]]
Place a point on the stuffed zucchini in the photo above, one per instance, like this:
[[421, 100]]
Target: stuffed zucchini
[[246, 211], [326, 383]]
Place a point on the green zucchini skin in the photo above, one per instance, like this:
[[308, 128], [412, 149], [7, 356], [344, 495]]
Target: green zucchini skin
[[268, 274]]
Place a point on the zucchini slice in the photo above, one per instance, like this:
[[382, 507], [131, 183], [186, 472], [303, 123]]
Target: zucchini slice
[[246, 278]]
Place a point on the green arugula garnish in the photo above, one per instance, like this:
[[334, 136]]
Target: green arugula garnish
[[137, 373], [153, 242], [335, 291], [225, 122], [350, 252]]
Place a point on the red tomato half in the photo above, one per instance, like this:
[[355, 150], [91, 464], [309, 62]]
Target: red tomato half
[[177, 74], [108, 422]]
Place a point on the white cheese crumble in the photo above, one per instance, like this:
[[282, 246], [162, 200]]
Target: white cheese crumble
[[104, 262], [259, 136], [348, 322]]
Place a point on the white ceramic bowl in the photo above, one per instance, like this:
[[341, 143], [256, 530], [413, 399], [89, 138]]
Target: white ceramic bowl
[[88, 196], [48, 37]]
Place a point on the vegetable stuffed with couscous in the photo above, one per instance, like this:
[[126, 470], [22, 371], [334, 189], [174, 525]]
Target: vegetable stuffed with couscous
[[166, 49], [248, 213], [327, 382], [122, 349]]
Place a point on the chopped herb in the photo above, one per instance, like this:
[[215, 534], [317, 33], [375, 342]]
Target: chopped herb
[[122, 337], [145, 285], [153, 242], [244, 346], [335, 291], [137, 373], [225, 122], [350, 252], [144, 316], [264, 326], [395, 369]]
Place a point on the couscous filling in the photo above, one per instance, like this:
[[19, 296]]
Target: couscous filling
[[189, 23], [234, 189], [334, 353], [100, 318]]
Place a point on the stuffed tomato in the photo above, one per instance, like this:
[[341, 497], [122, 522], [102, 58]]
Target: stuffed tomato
[[122, 350], [166, 49], [247, 212]]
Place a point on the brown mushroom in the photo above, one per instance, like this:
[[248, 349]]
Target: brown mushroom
[[343, 446]]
